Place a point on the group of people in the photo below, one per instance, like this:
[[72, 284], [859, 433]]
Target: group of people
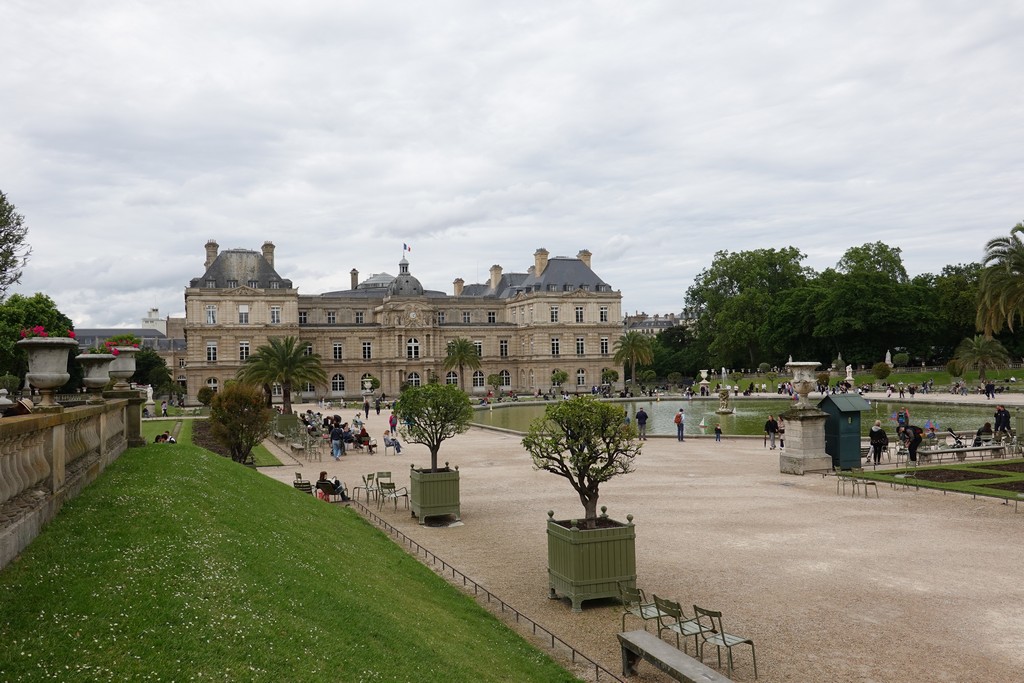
[[774, 429]]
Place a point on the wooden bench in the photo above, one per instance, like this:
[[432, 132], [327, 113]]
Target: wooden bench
[[637, 645], [996, 450]]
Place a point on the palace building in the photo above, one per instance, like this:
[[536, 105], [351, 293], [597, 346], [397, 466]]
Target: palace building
[[558, 315]]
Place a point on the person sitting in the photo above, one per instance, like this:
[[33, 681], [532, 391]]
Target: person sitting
[[168, 438], [983, 434], [392, 443], [365, 440], [325, 488]]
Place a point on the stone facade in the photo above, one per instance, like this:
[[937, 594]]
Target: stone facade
[[558, 315]]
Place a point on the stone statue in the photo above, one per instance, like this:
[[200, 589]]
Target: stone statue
[[149, 394], [888, 358], [723, 402], [849, 373]]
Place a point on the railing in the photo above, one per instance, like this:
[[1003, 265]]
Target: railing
[[538, 630], [48, 458]]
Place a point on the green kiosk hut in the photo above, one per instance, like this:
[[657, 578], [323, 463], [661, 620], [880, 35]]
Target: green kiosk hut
[[842, 428]]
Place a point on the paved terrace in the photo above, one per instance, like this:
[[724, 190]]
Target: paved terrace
[[914, 586]]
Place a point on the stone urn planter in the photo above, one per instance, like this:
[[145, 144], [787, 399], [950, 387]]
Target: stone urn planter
[[48, 366], [123, 366], [96, 367], [586, 564], [434, 493]]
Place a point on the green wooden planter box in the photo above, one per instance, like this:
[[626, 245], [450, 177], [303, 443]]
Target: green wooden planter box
[[434, 493], [585, 564]]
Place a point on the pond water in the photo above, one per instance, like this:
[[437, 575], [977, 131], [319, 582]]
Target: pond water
[[750, 415]]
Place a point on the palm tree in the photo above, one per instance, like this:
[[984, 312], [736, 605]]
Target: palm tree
[[1001, 285], [982, 352], [284, 362], [462, 354], [632, 348]]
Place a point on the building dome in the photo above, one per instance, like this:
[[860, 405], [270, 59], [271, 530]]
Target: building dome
[[405, 284]]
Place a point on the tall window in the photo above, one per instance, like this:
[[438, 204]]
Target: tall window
[[492, 317], [579, 314], [478, 378], [465, 317], [255, 284], [581, 378], [211, 314], [506, 378], [554, 314], [303, 317], [232, 284], [338, 383], [275, 315], [332, 317], [337, 350], [367, 350], [275, 284], [359, 317], [412, 348], [211, 284], [479, 346], [211, 351], [308, 351], [276, 390], [604, 314], [580, 346], [308, 388], [243, 350], [604, 346], [440, 317], [243, 314], [503, 348], [554, 346], [413, 378], [451, 378]]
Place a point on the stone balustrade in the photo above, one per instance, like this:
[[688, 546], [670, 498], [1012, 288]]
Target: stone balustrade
[[48, 458]]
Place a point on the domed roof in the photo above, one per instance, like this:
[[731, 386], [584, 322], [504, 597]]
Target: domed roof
[[405, 284]]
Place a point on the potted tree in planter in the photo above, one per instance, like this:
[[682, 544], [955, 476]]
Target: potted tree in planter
[[430, 414], [587, 442]]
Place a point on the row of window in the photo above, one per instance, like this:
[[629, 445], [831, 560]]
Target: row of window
[[231, 284], [412, 349], [359, 317], [413, 378]]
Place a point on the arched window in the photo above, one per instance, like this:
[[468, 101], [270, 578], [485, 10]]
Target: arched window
[[338, 383], [413, 378], [451, 378], [212, 383], [581, 378], [506, 378], [412, 348], [478, 378]]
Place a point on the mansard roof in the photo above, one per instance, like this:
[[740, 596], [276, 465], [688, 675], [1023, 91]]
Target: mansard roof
[[240, 267]]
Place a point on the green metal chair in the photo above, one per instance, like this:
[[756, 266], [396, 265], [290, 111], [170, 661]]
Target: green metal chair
[[388, 491], [672, 618], [634, 603], [712, 633]]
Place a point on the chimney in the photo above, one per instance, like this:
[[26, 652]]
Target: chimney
[[355, 278], [211, 253], [268, 253], [495, 277], [584, 256], [540, 261], [458, 283]]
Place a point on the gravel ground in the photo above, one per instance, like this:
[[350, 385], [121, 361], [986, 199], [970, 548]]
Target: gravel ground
[[912, 586]]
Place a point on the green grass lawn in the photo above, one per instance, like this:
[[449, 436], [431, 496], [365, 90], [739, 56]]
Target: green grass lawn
[[996, 478], [180, 565]]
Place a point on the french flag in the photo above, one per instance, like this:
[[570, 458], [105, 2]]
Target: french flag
[[406, 247]]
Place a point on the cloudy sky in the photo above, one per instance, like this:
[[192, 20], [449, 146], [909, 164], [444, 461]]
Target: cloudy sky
[[652, 133]]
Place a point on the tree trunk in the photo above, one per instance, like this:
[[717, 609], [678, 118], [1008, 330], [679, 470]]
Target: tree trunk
[[589, 506], [433, 458]]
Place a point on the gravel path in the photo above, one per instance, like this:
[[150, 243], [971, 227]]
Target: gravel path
[[913, 586]]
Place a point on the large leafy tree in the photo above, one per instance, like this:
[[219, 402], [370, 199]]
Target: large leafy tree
[[14, 252], [285, 362], [18, 312], [240, 419], [983, 353], [733, 301], [431, 414], [1001, 284], [151, 368], [632, 349], [585, 441], [462, 354]]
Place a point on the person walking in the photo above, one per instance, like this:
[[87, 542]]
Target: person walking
[[679, 419], [771, 428], [366, 408], [393, 423], [337, 443], [641, 423]]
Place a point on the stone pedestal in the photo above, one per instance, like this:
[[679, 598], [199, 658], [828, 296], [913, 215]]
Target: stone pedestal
[[132, 415], [805, 442]]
